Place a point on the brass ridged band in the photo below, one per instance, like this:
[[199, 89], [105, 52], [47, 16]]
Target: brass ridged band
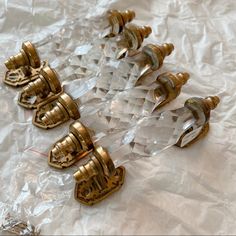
[[28, 56], [158, 53], [120, 18]]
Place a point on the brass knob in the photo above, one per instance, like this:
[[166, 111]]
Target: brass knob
[[132, 39], [138, 34], [98, 178], [100, 163], [119, 19], [201, 107], [211, 102], [145, 31], [47, 82], [64, 109], [175, 80], [72, 147], [157, 53], [182, 77], [28, 56], [172, 84]]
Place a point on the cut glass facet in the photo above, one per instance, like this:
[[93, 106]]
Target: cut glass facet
[[149, 136]]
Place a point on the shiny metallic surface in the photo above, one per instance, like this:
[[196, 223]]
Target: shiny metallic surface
[[132, 39], [139, 33], [24, 67], [27, 56], [55, 111], [52, 79], [70, 105], [157, 53], [172, 84], [71, 148], [41, 89], [120, 18], [98, 178], [201, 108]]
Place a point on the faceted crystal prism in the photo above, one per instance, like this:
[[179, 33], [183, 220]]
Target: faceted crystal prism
[[155, 133], [116, 77], [126, 106], [83, 63], [90, 59], [86, 29], [151, 134], [128, 72], [147, 137], [66, 39], [75, 35], [141, 101]]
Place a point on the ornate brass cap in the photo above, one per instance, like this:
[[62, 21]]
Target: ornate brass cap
[[118, 20], [28, 56], [46, 85], [23, 67], [71, 148], [55, 111], [136, 34], [205, 105], [98, 178], [211, 102], [172, 84], [158, 53], [133, 37], [201, 108]]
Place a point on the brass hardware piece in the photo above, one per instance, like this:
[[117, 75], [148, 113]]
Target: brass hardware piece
[[55, 111], [202, 133], [133, 37], [118, 19], [41, 89], [204, 105], [172, 84], [139, 32], [23, 67], [28, 56], [71, 148], [18, 227], [98, 178], [157, 53]]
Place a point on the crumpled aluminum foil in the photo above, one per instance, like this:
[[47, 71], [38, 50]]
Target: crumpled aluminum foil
[[180, 191]]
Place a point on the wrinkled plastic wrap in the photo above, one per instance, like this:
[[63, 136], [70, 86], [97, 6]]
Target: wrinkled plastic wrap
[[180, 191]]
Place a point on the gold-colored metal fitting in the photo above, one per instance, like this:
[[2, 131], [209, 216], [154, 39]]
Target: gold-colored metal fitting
[[136, 34], [172, 84], [41, 89], [98, 178], [205, 105], [118, 20], [55, 111], [133, 38], [23, 67], [158, 53], [211, 102], [201, 108], [71, 148], [28, 56]]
